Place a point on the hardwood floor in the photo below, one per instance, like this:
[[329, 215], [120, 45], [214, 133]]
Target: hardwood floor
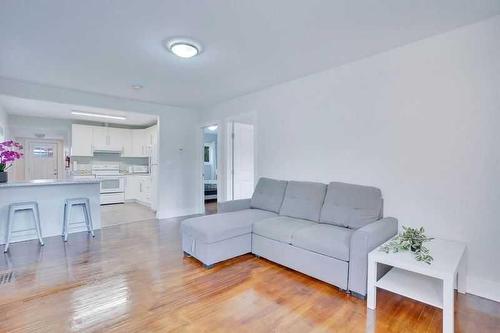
[[125, 213], [134, 278]]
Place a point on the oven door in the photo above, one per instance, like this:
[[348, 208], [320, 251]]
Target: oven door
[[112, 184]]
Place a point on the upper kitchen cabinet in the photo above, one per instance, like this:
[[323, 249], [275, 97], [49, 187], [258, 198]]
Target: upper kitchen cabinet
[[153, 138], [153, 134], [128, 142], [140, 142], [128, 148], [120, 138], [110, 139], [81, 140]]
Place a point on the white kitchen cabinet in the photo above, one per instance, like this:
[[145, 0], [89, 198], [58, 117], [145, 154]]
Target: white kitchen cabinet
[[130, 142], [108, 138], [117, 138], [138, 188], [99, 137], [145, 189], [81, 140], [153, 147], [140, 143], [128, 150], [131, 188], [153, 134]]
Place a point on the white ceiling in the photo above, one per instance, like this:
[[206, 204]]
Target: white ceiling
[[35, 108], [106, 46]]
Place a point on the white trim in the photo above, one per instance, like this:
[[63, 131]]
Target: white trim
[[483, 288], [177, 213]]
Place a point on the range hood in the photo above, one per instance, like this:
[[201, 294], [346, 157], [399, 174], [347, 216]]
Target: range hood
[[106, 150]]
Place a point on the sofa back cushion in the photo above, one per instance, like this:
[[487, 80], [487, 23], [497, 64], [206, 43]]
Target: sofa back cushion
[[351, 206], [303, 200], [268, 194]]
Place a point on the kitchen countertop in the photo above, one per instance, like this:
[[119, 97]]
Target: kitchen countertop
[[49, 182], [121, 174]]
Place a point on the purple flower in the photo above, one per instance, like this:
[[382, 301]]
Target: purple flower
[[9, 152]]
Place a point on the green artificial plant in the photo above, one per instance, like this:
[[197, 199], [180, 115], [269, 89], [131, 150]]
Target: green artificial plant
[[411, 239]]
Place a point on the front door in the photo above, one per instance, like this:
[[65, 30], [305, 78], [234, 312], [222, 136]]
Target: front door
[[42, 160]]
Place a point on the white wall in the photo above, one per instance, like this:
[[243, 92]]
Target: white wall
[[421, 122], [28, 127], [179, 179], [3, 124]]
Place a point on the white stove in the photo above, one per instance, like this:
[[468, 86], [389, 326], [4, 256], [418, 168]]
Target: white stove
[[112, 183]]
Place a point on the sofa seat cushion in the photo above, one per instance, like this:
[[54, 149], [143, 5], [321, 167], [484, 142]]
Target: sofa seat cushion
[[280, 228], [303, 200], [351, 206], [268, 194], [324, 239], [217, 227]]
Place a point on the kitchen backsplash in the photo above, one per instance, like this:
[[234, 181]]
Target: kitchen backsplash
[[84, 164]]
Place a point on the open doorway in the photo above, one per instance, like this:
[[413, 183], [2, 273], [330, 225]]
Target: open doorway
[[210, 165], [240, 160]]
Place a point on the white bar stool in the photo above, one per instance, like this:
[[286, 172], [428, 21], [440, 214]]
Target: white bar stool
[[68, 205], [17, 207]]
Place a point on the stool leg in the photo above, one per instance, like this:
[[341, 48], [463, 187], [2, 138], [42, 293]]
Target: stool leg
[[9, 229], [36, 215], [67, 218], [88, 218], [64, 220]]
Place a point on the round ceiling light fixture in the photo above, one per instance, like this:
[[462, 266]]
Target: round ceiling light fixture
[[183, 47]]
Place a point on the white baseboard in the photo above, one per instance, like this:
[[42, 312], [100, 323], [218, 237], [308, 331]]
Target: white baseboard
[[177, 213], [484, 288]]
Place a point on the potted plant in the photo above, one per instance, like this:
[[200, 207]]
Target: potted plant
[[411, 239], [9, 152]]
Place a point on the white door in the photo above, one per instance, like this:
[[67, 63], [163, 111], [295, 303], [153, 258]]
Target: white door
[[42, 160], [242, 161]]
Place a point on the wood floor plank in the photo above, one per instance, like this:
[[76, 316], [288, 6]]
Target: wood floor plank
[[134, 278]]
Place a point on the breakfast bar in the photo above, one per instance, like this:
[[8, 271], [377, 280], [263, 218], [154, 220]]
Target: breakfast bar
[[50, 196]]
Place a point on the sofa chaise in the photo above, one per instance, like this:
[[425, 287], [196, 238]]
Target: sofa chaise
[[324, 231]]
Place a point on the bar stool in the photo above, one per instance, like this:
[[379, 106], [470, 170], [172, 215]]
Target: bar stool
[[22, 206], [68, 205]]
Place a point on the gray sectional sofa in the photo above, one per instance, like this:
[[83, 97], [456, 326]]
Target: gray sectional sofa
[[325, 231]]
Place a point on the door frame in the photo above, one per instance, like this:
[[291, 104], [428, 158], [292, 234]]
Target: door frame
[[60, 155], [202, 164]]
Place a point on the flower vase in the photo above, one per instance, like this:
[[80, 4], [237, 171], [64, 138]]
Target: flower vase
[[4, 177]]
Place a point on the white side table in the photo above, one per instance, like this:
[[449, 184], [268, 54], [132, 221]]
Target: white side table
[[432, 284]]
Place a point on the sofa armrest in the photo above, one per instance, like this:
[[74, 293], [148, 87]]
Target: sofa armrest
[[363, 241], [233, 205]]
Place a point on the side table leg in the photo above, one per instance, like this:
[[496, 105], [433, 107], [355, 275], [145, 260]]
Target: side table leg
[[448, 305], [462, 275], [371, 291]]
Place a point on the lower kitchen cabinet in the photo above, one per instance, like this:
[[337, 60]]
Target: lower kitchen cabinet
[[138, 187]]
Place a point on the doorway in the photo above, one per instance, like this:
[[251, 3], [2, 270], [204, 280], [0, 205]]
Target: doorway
[[43, 159], [240, 160], [210, 168]]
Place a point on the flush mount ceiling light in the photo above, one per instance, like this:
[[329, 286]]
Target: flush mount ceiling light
[[137, 86], [183, 47], [97, 115], [212, 128]]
